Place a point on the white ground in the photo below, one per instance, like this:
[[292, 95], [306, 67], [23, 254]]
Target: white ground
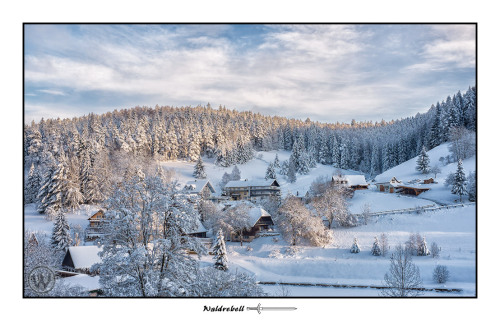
[[454, 230]]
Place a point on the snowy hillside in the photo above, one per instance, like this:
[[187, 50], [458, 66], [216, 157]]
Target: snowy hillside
[[254, 169], [406, 172]]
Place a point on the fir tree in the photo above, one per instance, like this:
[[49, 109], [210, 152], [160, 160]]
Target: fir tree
[[376, 248], [235, 174], [355, 247], [423, 162], [32, 185], [199, 169], [291, 175], [220, 254], [270, 172], [276, 162], [422, 249], [52, 191], [460, 183], [61, 236]]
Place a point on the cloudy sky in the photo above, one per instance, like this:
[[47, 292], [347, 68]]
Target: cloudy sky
[[328, 73]]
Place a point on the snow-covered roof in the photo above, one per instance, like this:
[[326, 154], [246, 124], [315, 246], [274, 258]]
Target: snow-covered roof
[[200, 229], [352, 180], [197, 186], [256, 213], [253, 182], [89, 283], [385, 180], [84, 256]]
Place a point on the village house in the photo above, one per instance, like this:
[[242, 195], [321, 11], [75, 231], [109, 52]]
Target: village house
[[81, 258], [391, 186], [252, 189], [259, 220], [200, 187], [354, 182], [96, 226]]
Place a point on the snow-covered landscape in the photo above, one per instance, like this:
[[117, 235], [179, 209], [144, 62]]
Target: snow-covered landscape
[[333, 270], [281, 160]]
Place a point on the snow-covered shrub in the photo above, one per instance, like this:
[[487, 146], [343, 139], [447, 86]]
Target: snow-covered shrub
[[249, 249], [355, 247], [403, 278], [292, 251], [441, 274], [413, 243], [275, 254], [276, 240]]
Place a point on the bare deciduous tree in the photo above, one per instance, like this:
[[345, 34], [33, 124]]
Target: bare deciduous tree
[[403, 278]]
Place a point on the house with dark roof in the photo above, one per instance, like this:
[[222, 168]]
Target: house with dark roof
[[258, 218], [252, 189]]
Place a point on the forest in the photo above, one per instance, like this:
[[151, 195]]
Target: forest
[[76, 161]]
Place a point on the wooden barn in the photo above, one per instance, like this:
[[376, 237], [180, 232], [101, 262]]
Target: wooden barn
[[413, 190], [429, 181]]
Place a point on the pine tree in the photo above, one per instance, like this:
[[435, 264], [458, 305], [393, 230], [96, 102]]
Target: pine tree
[[220, 254], [355, 247], [276, 162], [422, 249], [423, 162], [270, 172], [199, 169], [61, 236], [235, 174], [32, 185], [52, 190], [376, 248], [460, 183], [291, 175]]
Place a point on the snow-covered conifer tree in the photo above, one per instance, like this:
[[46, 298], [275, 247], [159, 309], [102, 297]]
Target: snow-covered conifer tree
[[52, 190], [471, 186], [199, 169], [460, 183], [423, 162], [276, 162], [376, 248], [270, 172], [32, 185], [422, 248], [220, 254], [355, 247], [291, 174], [284, 168], [235, 174], [61, 234]]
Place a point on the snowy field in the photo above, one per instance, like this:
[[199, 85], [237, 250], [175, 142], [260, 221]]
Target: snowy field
[[454, 230]]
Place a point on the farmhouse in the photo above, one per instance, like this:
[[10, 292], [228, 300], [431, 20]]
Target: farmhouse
[[200, 187], [354, 182], [391, 186], [259, 219], [252, 189], [81, 258]]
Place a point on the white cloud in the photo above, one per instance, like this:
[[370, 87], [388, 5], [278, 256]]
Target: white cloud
[[52, 92], [320, 70]]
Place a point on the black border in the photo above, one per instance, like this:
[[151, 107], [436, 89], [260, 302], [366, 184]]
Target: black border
[[253, 23]]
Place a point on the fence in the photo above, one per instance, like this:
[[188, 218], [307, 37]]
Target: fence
[[419, 209]]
